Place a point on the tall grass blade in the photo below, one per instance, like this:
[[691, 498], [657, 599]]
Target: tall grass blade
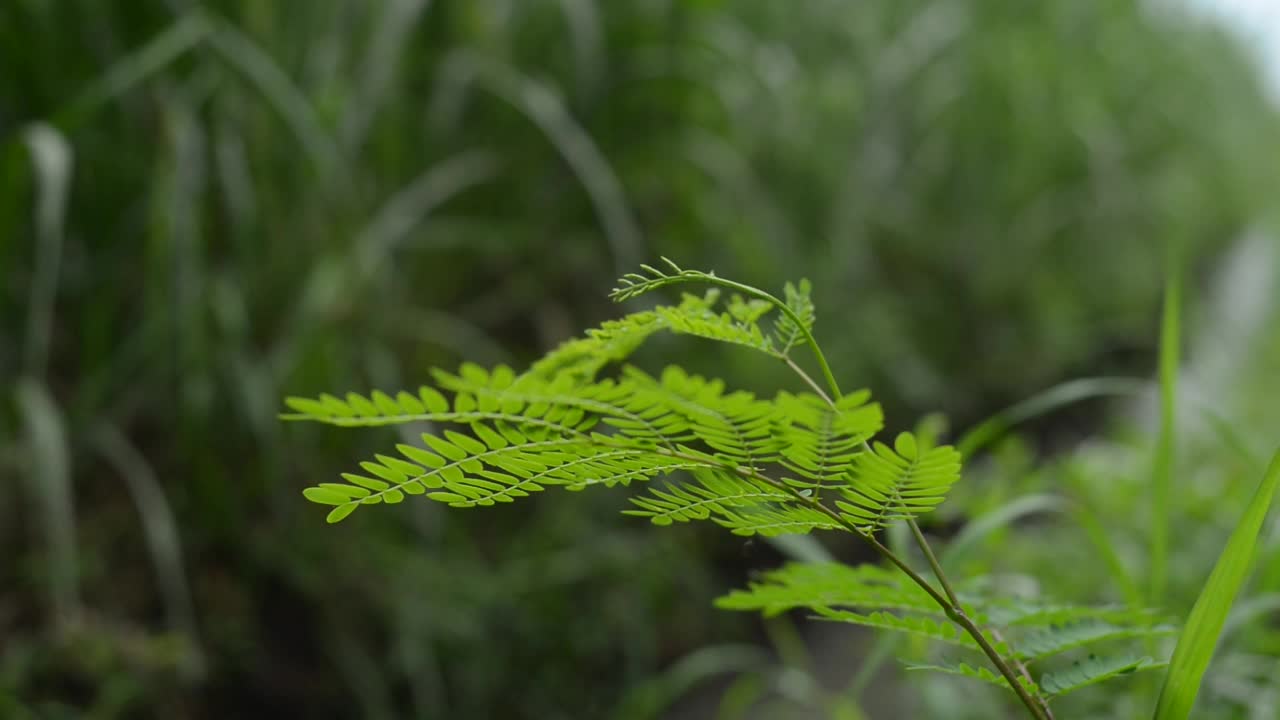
[[544, 107], [1055, 398], [652, 698], [1000, 518], [48, 475], [1098, 536], [386, 48], [160, 529], [157, 54], [257, 65], [52, 158], [408, 207], [1208, 617], [1162, 470], [587, 37]]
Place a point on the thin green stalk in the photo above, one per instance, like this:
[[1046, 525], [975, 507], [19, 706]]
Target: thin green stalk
[[932, 559], [808, 380], [956, 613], [955, 601], [947, 600]]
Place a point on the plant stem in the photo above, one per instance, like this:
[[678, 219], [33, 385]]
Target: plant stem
[[951, 606], [808, 380], [955, 602], [947, 599], [933, 561]]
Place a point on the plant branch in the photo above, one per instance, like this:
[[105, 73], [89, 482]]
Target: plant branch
[[809, 380], [932, 559], [946, 600]]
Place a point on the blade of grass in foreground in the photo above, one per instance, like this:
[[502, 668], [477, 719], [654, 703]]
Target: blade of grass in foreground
[[1200, 636]]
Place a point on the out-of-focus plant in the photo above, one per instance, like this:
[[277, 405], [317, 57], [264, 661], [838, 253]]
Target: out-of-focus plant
[[1092, 509]]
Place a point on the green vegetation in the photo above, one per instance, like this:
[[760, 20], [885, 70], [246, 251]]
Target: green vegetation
[[207, 205], [535, 430]]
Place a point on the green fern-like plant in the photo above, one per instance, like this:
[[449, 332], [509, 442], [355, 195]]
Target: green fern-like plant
[[791, 464]]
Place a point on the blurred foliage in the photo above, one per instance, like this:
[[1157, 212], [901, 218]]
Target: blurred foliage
[[1100, 524], [204, 206]]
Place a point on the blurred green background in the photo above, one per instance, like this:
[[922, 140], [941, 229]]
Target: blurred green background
[[205, 206]]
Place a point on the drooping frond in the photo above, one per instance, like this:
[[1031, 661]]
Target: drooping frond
[[922, 626], [738, 328], [527, 433], [878, 597], [635, 284], [786, 332], [1093, 670], [1027, 613], [964, 669], [429, 405], [1047, 641], [1081, 674], [614, 341], [820, 442], [774, 520], [736, 426], [713, 494], [735, 322], [830, 585], [897, 483], [636, 410], [499, 463], [739, 322]]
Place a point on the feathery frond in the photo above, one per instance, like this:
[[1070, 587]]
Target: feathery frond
[[725, 327], [1046, 641], [736, 426], [1028, 613], [830, 585], [634, 284], [786, 332], [922, 626], [713, 494], [898, 483], [1094, 670], [820, 442], [582, 358], [771, 521], [976, 673], [739, 323]]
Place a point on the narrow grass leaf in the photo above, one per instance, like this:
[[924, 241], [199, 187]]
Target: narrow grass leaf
[[1204, 626], [1162, 467]]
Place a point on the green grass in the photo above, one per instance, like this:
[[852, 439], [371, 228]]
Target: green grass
[[264, 199], [1205, 624]]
